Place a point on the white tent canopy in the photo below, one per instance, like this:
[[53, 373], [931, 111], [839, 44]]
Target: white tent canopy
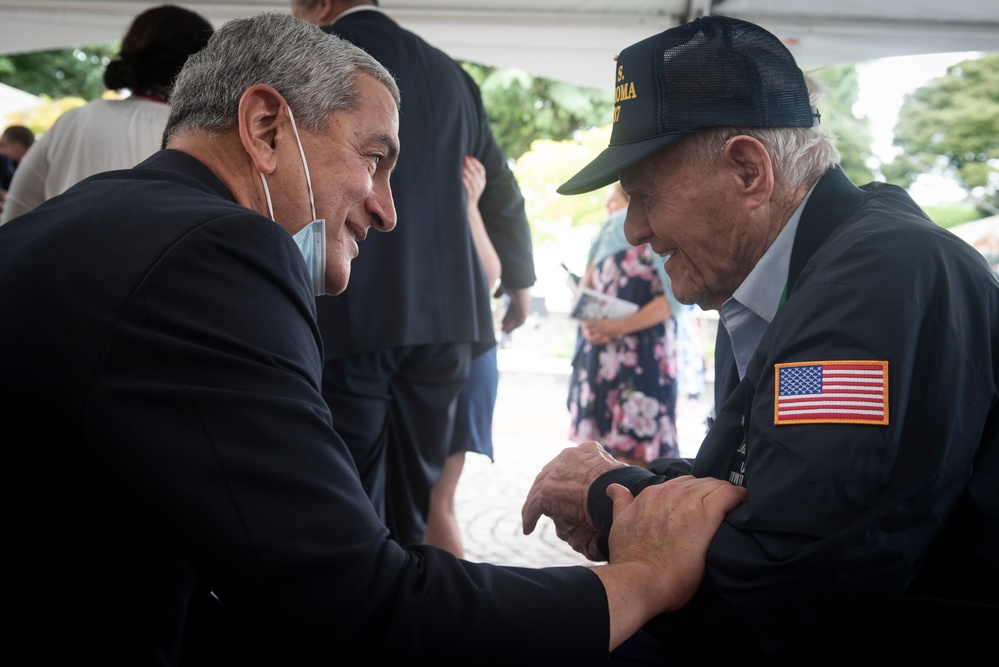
[[571, 40], [12, 100]]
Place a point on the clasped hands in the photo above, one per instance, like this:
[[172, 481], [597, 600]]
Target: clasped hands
[[560, 490], [667, 525], [601, 332]]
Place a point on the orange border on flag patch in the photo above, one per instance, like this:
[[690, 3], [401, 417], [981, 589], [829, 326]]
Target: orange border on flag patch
[[826, 413]]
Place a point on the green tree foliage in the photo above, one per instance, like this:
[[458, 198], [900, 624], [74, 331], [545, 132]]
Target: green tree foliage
[[523, 108], [951, 215], [75, 72], [852, 135], [952, 123], [549, 164]]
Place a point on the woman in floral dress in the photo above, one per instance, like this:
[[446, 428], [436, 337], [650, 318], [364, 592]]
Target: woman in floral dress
[[623, 387]]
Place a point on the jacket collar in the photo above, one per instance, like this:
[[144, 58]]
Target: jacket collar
[[186, 168], [833, 202]]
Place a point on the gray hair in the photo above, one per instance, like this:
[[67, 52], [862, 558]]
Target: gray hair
[[799, 154], [315, 72], [309, 4]]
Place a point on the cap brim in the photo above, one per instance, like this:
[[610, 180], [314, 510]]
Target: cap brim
[[606, 168]]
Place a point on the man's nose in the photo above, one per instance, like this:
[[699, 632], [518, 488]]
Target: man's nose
[[635, 229], [381, 208]]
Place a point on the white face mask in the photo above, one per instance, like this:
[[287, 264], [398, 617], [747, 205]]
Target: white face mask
[[311, 239]]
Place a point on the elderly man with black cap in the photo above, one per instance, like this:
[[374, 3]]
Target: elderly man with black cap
[[857, 376]]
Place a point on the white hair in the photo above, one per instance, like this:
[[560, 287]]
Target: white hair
[[799, 154]]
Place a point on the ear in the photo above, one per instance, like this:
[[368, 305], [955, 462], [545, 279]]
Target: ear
[[326, 11], [261, 117], [750, 165]]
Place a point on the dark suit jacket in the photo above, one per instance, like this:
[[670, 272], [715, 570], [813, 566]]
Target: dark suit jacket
[[162, 433], [6, 172], [423, 283], [873, 538]]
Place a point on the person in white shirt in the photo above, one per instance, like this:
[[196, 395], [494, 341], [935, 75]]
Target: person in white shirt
[[104, 134]]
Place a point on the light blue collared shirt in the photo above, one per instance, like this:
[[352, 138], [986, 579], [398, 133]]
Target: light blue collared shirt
[[753, 306]]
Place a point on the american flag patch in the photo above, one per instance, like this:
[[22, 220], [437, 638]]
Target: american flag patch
[[831, 392]]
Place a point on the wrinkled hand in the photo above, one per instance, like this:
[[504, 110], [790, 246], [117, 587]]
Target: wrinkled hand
[[669, 527], [559, 492], [516, 312]]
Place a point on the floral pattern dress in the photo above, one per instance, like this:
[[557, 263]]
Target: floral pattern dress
[[623, 394]]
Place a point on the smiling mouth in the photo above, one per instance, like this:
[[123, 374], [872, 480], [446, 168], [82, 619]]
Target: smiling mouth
[[357, 232]]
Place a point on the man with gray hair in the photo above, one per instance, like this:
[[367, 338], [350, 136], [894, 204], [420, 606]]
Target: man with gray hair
[[173, 484], [857, 375]]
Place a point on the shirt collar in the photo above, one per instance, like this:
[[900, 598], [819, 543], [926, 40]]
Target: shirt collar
[[763, 288], [359, 8], [750, 310]]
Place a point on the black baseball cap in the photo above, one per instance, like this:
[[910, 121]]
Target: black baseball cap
[[714, 71]]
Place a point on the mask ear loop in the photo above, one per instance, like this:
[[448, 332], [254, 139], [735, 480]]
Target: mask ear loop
[[267, 195], [305, 164]]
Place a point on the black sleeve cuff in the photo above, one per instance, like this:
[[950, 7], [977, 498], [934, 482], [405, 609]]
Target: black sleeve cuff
[[632, 478], [599, 505]]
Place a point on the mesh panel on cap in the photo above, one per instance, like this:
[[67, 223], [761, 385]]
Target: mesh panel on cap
[[731, 74]]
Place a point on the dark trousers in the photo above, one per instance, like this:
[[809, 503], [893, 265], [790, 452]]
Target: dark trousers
[[395, 411]]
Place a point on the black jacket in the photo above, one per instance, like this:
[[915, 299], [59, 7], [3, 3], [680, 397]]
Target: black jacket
[[881, 536], [423, 283], [162, 434]]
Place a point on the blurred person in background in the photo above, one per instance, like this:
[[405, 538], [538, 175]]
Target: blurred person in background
[[622, 391], [473, 420], [393, 389], [14, 143], [104, 134], [988, 245]]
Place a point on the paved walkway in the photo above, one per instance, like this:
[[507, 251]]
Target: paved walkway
[[530, 426]]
